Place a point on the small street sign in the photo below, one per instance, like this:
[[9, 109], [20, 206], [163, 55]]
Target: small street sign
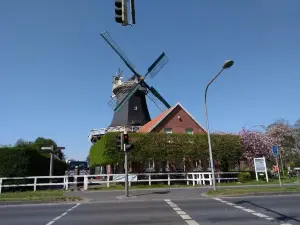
[[275, 151]]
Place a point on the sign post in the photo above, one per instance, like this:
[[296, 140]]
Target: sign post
[[275, 152], [260, 166]]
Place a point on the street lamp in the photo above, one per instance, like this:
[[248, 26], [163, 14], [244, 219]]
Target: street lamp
[[51, 148], [227, 64]]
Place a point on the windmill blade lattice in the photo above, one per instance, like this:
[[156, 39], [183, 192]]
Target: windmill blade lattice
[[158, 64], [155, 100], [121, 95], [116, 48]]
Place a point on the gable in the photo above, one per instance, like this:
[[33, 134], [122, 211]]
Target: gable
[[179, 120]]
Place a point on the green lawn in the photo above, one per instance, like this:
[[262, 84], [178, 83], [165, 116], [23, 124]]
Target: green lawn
[[252, 191], [284, 180], [53, 195]]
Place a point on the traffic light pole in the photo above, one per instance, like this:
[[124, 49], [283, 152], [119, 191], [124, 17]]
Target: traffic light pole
[[126, 167]]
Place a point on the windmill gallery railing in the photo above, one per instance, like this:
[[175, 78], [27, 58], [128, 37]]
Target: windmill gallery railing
[[84, 181]]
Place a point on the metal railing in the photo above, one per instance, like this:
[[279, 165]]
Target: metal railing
[[199, 178]]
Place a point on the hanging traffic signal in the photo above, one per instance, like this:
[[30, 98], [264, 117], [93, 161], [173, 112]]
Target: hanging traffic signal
[[121, 12]]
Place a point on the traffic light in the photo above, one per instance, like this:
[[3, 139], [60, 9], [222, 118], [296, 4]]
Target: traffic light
[[120, 141], [121, 12], [128, 147], [126, 139]]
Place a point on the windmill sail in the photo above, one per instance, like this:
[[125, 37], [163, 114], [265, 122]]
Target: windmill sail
[[125, 95], [158, 64], [116, 48], [159, 97]]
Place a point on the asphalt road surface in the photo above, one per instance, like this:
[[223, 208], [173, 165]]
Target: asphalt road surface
[[267, 210]]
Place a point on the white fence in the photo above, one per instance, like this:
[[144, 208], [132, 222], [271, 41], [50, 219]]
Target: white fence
[[204, 178]]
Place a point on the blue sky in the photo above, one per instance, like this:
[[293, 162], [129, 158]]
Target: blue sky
[[56, 71]]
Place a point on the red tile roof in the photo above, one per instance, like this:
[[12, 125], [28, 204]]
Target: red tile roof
[[148, 126]]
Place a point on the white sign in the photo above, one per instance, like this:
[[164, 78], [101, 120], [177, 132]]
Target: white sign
[[260, 166], [121, 177]]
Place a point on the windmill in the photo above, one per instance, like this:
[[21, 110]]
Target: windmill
[[128, 99]]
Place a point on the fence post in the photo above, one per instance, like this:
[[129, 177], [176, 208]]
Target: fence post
[[169, 182], [66, 181], [193, 177], [107, 180], [34, 185], [187, 179], [149, 177], [0, 185], [85, 182]]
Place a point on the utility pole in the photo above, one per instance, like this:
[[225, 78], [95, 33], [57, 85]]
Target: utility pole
[[126, 165]]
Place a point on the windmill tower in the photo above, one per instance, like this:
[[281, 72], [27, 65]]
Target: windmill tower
[[128, 98]]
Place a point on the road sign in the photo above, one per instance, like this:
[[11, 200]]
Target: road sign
[[275, 151]]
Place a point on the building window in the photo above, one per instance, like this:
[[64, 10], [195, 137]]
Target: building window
[[168, 130], [189, 131]]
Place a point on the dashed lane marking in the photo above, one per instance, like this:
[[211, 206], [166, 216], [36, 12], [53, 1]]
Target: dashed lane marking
[[251, 211], [65, 213], [181, 213]]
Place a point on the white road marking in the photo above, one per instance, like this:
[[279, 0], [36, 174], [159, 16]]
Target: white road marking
[[270, 218], [191, 222], [229, 203], [181, 213], [65, 213], [259, 214], [186, 217], [249, 211]]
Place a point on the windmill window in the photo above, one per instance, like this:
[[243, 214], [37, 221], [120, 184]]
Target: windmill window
[[135, 108], [168, 130]]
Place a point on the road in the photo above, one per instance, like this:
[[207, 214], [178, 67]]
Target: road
[[267, 210]]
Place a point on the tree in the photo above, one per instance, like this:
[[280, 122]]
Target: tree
[[255, 144], [284, 137], [21, 143]]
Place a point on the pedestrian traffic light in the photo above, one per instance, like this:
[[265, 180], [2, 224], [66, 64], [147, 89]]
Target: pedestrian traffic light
[[119, 141], [121, 12], [126, 139]]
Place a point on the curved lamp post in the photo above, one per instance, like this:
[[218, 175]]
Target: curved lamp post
[[227, 64]]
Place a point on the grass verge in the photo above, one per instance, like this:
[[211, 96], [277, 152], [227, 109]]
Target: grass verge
[[284, 180], [253, 191], [47, 196]]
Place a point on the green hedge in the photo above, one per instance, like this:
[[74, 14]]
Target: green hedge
[[159, 146], [22, 162]]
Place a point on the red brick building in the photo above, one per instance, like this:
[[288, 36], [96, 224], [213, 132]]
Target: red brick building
[[174, 120]]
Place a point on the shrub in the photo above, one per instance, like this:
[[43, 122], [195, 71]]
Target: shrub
[[244, 177], [171, 147], [23, 162]]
